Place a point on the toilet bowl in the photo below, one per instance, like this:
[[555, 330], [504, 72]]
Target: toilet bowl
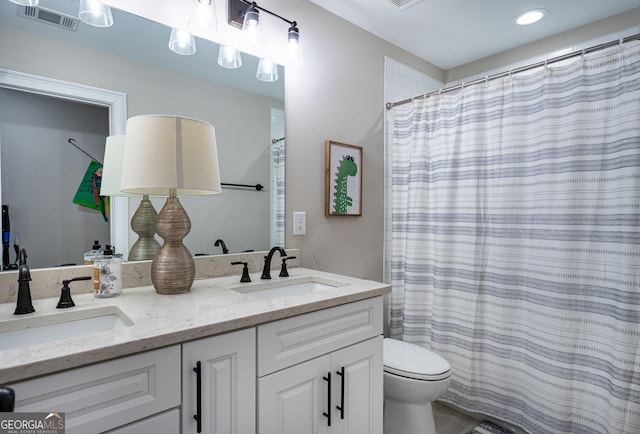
[[413, 377]]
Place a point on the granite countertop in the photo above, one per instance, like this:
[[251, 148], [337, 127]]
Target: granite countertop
[[210, 308]]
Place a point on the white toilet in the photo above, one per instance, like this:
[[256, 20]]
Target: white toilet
[[413, 377]]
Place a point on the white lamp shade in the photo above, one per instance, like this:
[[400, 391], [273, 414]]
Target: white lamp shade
[[112, 168], [164, 152]]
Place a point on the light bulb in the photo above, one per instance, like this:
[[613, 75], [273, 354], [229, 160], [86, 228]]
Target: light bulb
[[530, 17]]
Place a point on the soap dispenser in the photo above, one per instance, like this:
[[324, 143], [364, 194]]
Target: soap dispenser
[[91, 255], [107, 273]]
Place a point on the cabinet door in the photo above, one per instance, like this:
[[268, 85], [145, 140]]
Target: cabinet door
[[295, 400], [357, 390], [227, 388]]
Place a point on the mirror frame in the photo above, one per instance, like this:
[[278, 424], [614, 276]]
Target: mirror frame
[[115, 102]]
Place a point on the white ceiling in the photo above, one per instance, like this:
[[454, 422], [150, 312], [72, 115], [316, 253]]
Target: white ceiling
[[450, 33]]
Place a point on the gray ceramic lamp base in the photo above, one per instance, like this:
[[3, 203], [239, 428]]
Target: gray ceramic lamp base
[[143, 223], [173, 269]]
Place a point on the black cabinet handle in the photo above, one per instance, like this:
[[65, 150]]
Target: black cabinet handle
[[7, 399], [198, 415], [328, 412], [341, 406]]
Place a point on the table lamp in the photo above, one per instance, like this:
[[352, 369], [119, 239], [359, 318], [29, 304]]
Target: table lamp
[[143, 221], [170, 156]]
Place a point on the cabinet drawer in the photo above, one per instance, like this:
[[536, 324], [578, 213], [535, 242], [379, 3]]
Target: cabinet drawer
[[164, 423], [106, 395], [293, 340]]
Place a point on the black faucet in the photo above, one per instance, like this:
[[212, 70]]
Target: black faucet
[[266, 271], [24, 305], [283, 270], [245, 271], [219, 242], [65, 293]]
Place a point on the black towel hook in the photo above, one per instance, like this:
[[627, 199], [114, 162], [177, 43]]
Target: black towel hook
[[73, 142]]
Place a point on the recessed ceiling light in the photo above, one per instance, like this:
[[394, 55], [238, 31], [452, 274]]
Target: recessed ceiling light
[[530, 17]]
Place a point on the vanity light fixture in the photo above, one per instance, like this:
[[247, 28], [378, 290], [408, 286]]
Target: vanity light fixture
[[203, 17], [530, 17], [171, 156], [26, 2], [293, 45], [245, 15], [182, 42], [143, 221], [251, 19], [252, 27], [95, 13]]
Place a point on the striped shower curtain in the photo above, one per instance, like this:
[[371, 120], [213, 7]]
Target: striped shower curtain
[[514, 244]]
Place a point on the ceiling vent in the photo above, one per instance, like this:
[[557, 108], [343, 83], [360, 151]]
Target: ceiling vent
[[404, 4], [50, 17]]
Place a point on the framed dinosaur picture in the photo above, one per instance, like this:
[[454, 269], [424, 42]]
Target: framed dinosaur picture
[[343, 179]]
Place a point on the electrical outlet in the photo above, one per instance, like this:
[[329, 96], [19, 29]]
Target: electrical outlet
[[299, 223]]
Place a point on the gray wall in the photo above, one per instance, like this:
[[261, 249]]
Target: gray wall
[[339, 95], [41, 173]]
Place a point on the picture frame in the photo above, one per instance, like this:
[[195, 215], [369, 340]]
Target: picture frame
[[343, 179]]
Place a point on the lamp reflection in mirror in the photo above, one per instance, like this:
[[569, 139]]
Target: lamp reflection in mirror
[[171, 156], [95, 13], [143, 221], [267, 71], [229, 57], [182, 42]]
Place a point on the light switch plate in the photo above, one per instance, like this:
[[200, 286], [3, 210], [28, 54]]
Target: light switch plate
[[299, 223]]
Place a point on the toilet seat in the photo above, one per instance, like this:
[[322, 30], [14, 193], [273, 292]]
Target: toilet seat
[[412, 361]]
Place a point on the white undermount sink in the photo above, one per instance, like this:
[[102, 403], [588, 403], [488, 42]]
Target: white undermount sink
[[25, 331], [287, 287]]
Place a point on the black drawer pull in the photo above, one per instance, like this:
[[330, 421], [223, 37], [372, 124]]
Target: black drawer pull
[[198, 415], [341, 406]]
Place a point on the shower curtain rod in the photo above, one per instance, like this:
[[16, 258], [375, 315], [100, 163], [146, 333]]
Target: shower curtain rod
[[620, 41]]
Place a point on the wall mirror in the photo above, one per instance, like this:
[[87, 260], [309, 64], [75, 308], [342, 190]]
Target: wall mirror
[[132, 57]]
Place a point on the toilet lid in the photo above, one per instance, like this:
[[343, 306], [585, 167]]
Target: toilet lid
[[413, 361]]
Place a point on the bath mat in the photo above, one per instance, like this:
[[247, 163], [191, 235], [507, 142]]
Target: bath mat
[[487, 427]]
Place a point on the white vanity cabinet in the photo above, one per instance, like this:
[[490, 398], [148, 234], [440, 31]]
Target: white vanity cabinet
[[112, 394], [322, 372], [219, 384], [316, 372]]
